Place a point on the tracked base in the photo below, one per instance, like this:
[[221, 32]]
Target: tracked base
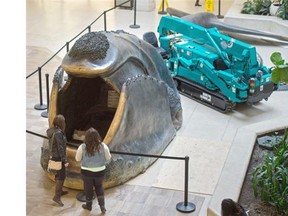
[[212, 99]]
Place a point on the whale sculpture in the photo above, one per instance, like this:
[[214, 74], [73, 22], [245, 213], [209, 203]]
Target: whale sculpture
[[118, 84], [209, 20]]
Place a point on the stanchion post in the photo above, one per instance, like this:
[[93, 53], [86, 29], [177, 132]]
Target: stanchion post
[[135, 25], [40, 106], [219, 16], [186, 206], [45, 113], [162, 11], [105, 22], [67, 47]]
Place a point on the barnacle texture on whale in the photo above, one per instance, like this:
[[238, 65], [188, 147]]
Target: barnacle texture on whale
[[118, 84]]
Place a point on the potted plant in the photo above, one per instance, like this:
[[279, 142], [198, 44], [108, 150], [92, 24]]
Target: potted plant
[[274, 7], [280, 68]]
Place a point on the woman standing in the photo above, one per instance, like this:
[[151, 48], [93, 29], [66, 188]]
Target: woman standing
[[58, 142], [93, 154]]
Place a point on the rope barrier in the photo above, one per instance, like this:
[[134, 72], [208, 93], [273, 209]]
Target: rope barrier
[[181, 206]]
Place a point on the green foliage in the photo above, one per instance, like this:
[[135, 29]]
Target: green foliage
[[280, 69], [282, 12], [248, 7], [270, 179], [262, 7], [257, 7]]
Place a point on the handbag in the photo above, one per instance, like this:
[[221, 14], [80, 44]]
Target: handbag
[[52, 164]]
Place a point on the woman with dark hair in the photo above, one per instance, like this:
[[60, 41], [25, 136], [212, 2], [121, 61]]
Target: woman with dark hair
[[57, 140], [232, 208], [93, 154]]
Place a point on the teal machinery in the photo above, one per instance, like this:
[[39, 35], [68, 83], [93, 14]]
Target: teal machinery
[[211, 67]]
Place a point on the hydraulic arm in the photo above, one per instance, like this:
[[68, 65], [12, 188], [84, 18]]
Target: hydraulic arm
[[211, 67]]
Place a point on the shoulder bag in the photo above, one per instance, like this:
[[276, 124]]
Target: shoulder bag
[[52, 164]]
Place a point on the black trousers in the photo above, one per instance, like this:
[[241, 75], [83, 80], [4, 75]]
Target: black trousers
[[91, 182]]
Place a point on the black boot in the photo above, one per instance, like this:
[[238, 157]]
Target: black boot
[[58, 191], [103, 209], [88, 205], [101, 203]]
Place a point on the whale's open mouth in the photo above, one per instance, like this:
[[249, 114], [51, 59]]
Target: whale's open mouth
[[87, 102]]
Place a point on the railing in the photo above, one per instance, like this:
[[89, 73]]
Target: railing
[[185, 206], [42, 106]]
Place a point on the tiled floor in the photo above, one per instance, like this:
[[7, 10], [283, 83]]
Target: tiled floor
[[205, 136]]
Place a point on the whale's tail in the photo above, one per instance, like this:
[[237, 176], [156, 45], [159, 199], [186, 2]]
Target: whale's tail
[[209, 20]]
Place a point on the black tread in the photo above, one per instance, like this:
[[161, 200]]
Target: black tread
[[224, 106]]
